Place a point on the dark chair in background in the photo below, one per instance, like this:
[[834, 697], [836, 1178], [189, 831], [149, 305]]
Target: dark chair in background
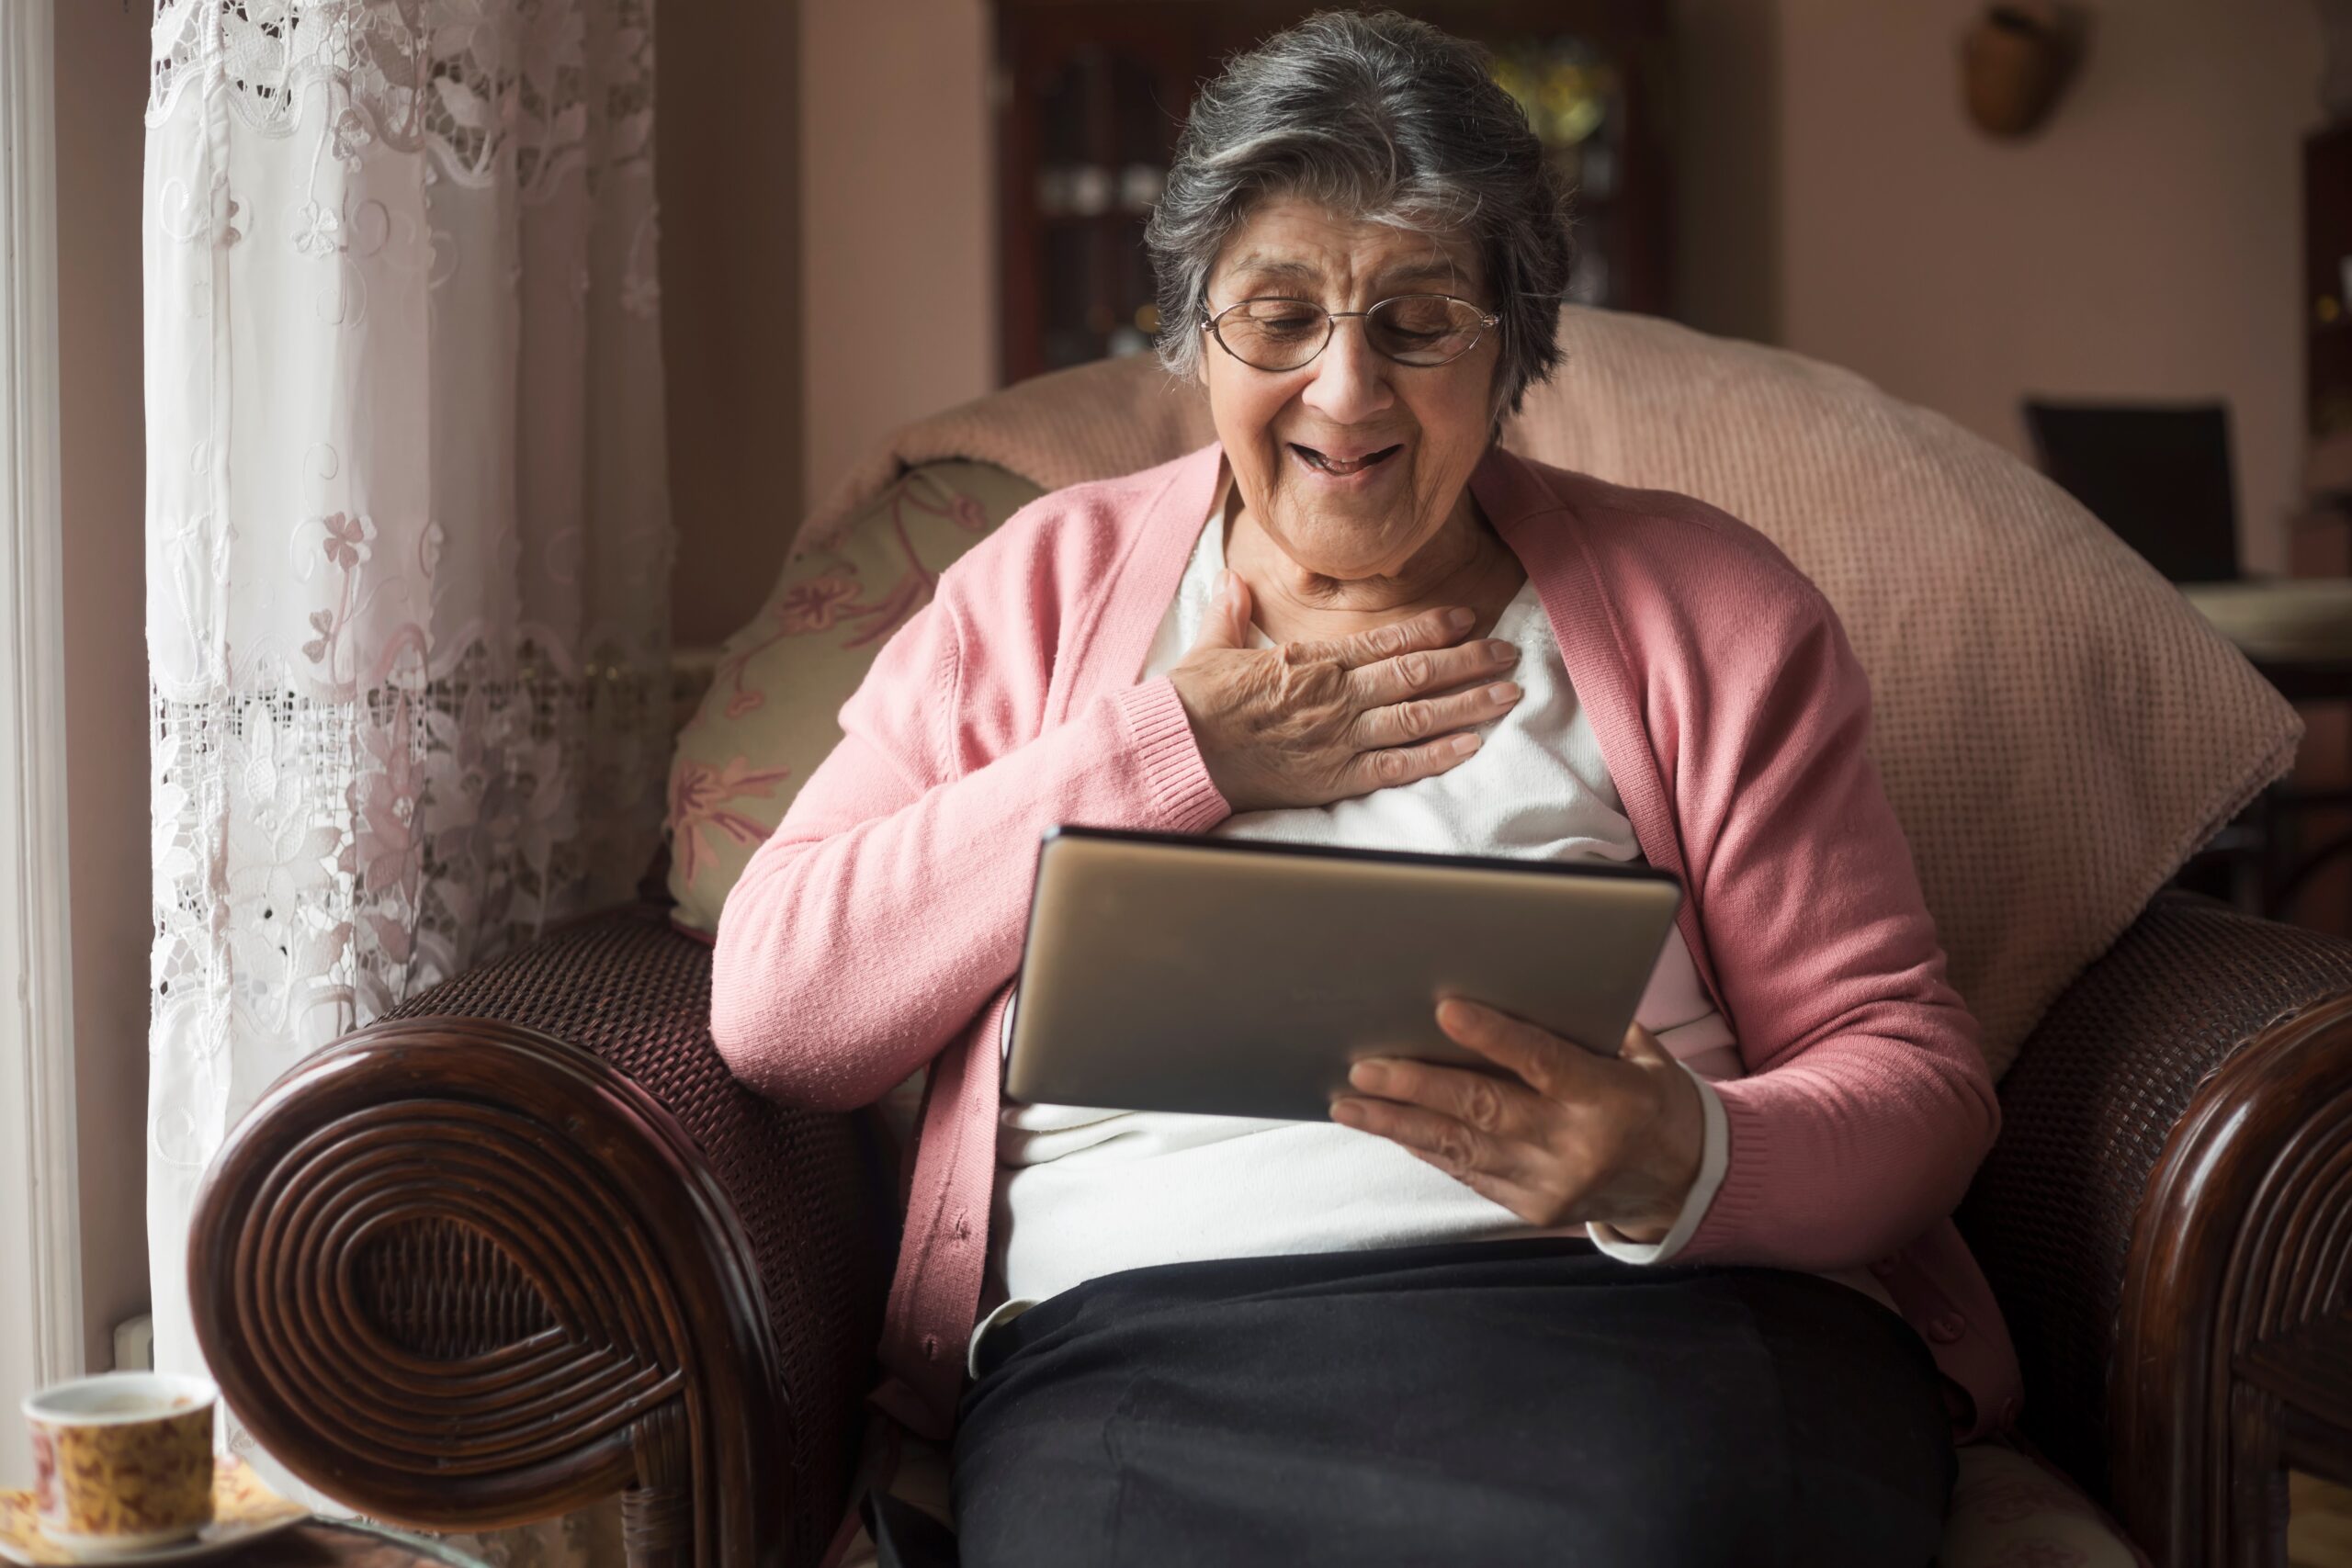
[[2158, 474]]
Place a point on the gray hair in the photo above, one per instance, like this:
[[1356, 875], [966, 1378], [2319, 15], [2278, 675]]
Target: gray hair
[[1384, 118]]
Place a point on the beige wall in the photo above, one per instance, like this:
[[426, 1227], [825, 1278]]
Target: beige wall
[[101, 91], [726, 166], [898, 198], [2145, 244]]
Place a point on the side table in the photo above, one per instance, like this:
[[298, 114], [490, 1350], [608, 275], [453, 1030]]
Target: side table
[[2296, 632]]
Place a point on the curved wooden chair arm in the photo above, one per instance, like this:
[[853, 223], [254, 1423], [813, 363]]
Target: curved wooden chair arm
[[2168, 1195], [2235, 1352], [525, 1243]]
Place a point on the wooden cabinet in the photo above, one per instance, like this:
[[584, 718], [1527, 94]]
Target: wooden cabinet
[[1090, 94]]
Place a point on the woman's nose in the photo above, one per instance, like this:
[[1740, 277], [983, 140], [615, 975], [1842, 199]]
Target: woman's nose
[[1350, 382]]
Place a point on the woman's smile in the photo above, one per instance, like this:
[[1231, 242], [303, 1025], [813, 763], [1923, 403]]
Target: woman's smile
[[1364, 468]]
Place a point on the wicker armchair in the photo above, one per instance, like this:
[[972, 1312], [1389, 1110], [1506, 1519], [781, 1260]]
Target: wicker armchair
[[525, 1243]]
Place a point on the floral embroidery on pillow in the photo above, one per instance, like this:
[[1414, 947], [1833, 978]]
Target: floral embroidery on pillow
[[819, 604], [699, 796], [770, 714]]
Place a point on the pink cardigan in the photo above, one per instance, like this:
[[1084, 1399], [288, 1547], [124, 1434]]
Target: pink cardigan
[[880, 928]]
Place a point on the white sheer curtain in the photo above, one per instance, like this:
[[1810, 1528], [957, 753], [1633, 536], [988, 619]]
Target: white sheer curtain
[[407, 540]]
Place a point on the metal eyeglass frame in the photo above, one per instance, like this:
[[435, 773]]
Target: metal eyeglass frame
[[1487, 322]]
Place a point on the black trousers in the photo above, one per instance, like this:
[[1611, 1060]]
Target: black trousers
[[1513, 1402]]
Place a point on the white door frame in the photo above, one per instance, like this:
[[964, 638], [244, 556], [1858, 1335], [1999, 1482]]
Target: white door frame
[[40, 1274]]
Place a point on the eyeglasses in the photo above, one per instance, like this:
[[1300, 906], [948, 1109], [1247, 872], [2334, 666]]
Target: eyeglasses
[[1421, 330]]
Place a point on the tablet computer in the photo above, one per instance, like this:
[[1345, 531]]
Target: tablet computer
[[1236, 977]]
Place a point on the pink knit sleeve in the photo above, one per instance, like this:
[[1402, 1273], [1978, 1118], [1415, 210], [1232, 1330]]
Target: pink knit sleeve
[[891, 903], [1868, 1107]]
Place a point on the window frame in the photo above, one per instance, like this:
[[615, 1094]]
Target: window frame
[[40, 1284]]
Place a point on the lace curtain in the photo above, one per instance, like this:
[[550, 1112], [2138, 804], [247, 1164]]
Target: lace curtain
[[407, 540]]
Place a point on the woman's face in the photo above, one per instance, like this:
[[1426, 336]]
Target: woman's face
[[1427, 426]]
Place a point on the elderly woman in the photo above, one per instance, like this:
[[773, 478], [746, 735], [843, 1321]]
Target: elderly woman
[[1656, 1307]]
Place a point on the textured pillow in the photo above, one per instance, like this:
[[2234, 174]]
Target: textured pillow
[[770, 714], [2057, 730]]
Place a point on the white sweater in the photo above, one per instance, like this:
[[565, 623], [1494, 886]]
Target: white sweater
[[1081, 1191]]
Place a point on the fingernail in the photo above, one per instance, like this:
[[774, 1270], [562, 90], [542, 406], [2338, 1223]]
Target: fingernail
[[1503, 692], [1464, 744], [1224, 581], [1459, 620], [1346, 1111]]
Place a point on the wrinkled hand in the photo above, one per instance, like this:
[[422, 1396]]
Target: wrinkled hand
[[1309, 723], [1579, 1138]]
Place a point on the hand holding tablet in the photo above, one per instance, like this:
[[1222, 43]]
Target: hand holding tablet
[[1571, 1136]]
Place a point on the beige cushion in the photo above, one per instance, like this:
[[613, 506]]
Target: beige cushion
[[2011, 1511], [2008, 1511], [2057, 730], [769, 715]]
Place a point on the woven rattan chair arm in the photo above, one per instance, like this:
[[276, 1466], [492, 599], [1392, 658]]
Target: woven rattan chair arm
[[524, 1241], [2198, 1018]]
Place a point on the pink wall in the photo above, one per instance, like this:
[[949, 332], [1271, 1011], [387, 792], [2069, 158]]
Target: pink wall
[[101, 71], [728, 173], [897, 197], [2146, 244], [1728, 250]]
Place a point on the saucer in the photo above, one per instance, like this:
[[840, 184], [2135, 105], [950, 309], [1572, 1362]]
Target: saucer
[[244, 1511]]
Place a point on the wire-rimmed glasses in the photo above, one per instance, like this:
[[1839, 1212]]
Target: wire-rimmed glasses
[[1421, 330]]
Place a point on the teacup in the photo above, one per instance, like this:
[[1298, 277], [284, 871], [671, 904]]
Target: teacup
[[123, 1461]]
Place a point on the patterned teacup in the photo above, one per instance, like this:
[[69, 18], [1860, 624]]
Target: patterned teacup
[[122, 1463]]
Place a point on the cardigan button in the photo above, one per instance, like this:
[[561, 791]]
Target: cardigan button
[[2008, 1411], [931, 1347], [1885, 1266], [1945, 1329]]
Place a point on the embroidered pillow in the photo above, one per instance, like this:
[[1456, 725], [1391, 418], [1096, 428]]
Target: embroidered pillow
[[769, 715], [2010, 1509]]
